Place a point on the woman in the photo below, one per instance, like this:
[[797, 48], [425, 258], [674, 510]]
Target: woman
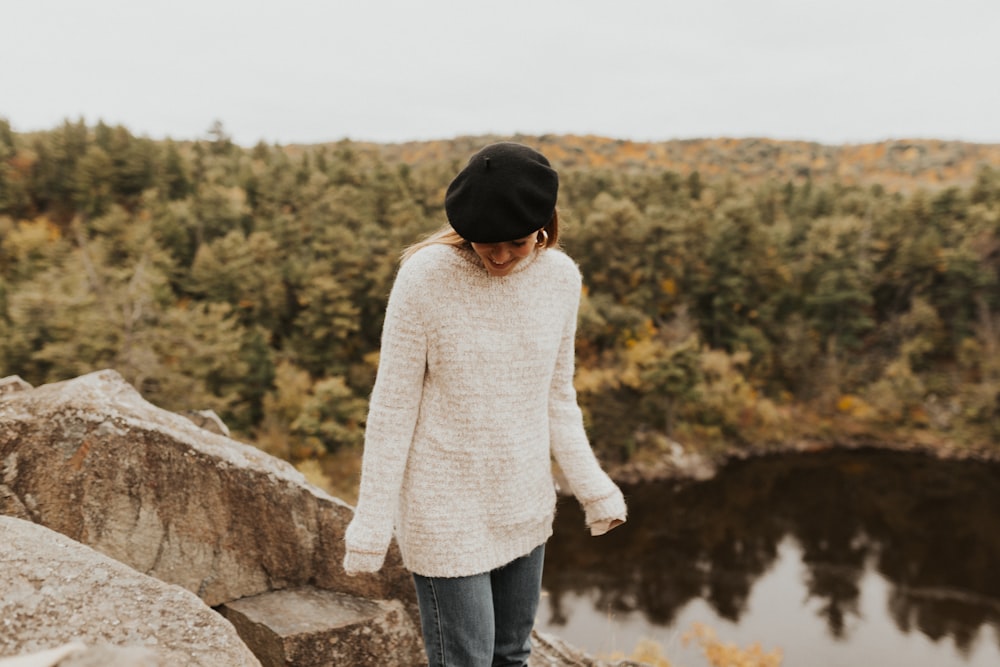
[[474, 395]]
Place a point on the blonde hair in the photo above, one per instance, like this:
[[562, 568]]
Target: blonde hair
[[445, 235]]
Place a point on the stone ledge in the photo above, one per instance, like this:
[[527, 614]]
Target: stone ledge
[[310, 627], [54, 592]]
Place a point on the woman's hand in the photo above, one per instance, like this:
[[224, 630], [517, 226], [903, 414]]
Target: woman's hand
[[604, 525]]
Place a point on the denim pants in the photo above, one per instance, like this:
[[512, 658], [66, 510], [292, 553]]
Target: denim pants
[[483, 620]]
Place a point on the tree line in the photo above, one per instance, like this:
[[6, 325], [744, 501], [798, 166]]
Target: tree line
[[718, 311]]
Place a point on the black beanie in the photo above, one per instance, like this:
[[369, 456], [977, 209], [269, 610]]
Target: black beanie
[[506, 192]]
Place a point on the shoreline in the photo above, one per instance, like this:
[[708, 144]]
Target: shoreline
[[681, 465]]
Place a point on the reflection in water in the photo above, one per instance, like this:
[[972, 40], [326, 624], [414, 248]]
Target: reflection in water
[[928, 527]]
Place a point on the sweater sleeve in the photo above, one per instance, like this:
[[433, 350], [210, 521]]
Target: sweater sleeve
[[392, 418], [601, 499]]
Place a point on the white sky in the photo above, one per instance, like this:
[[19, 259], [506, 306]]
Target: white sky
[[291, 71]]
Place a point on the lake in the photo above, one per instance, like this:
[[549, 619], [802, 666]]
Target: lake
[[862, 557]]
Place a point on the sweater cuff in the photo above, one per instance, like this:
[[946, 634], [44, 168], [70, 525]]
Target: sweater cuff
[[607, 508], [357, 562]]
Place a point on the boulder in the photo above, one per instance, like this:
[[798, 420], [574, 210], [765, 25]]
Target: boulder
[[58, 596], [309, 627], [91, 459]]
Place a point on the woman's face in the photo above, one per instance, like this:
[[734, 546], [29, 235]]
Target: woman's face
[[501, 258]]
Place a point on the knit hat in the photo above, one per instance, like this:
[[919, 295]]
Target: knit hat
[[506, 192]]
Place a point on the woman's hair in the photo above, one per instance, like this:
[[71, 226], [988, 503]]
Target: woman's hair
[[448, 236]]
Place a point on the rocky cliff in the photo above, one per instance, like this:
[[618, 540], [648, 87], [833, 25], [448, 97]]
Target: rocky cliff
[[127, 524]]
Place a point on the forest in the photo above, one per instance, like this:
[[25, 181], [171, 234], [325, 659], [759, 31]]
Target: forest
[[738, 294]]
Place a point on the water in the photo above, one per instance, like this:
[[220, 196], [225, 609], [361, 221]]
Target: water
[[837, 558]]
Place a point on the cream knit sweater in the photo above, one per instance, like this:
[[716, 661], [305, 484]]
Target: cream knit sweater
[[473, 395]]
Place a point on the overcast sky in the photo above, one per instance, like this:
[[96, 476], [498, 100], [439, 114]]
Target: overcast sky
[[305, 71]]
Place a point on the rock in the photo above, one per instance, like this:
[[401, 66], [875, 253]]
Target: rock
[[55, 592], [116, 656], [208, 420], [46, 658], [76, 654], [550, 651], [12, 384], [240, 529], [91, 459], [309, 627], [691, 465], [671, 461]]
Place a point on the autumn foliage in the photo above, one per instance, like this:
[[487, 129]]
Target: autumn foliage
[[739, 293]]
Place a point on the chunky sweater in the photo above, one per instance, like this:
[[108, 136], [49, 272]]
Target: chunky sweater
[[473, 396]]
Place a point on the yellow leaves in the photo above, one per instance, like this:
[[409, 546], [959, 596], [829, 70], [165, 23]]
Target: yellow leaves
[[846, 402], [668, 286], [29, 238], [854, 406], [647, 652], [54, 231], [720, 654], [636, 278], [642, 338], [719, 364], [372, 358], [717, 652], [638, 352], [596, 380]]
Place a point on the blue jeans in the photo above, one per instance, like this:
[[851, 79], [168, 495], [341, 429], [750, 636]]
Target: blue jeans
[[484, 620]]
